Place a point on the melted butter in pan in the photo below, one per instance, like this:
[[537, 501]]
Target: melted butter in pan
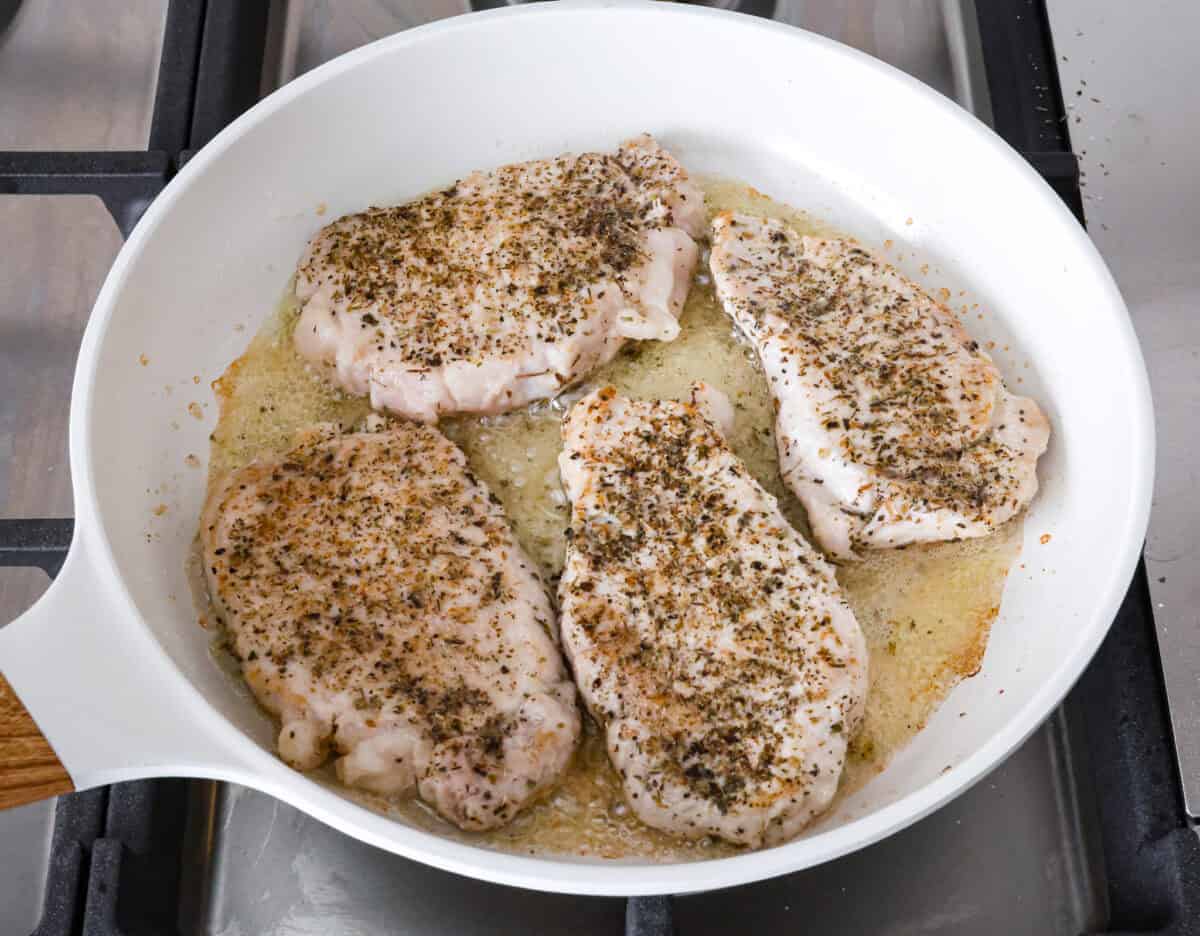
[[926, 610]]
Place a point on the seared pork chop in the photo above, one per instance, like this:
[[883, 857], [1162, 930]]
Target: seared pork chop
[[707, 636], [893, 426], [505, 287], [379, 604]]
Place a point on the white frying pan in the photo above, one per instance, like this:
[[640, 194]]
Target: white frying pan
[[111, 663]]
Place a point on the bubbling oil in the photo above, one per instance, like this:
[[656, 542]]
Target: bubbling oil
[[926, 610]]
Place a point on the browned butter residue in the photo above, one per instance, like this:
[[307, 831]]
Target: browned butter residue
[[926, 611]]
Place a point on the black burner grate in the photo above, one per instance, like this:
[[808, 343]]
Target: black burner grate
[[209, 73]]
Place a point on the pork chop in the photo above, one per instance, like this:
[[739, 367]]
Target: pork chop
[[707, 636], [505, 287], [893, 426], [380, 606]]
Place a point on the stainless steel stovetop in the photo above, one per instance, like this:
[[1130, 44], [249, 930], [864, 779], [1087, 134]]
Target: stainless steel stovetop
[[1017, 854]]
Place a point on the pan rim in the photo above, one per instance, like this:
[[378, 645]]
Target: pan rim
[[263, 770]]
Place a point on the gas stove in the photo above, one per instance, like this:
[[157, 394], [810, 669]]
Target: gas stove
[[1082, 830]]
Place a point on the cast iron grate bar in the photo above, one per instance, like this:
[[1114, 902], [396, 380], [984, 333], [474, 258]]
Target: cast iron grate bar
[[78, 823], [40, 544], [125, 182], [1022, 75], [650, 916], [209, 73], [1151, 851], [175, 93], [229, 75]]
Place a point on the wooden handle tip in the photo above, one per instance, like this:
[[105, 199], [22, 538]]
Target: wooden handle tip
[[29, 768]]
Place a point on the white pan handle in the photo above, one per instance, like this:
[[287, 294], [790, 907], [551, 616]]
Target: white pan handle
[[95, 702]]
